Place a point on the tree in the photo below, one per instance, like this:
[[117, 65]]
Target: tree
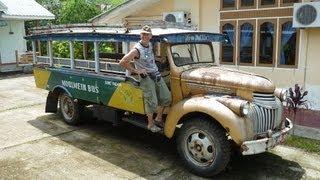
[[77, 11]]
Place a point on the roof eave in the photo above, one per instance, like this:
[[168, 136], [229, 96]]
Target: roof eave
[[14, 17]]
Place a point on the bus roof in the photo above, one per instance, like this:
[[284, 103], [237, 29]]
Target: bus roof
[[170, 35]]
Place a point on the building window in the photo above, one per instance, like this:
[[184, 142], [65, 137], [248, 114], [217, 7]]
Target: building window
[[228, 49], [228, 4], [246, 43], [288, 45], [266, 43], [247, 3], [267, 2], [289, 2]]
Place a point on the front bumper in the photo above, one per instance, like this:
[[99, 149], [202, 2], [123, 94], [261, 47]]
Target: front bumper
[[262, 145]]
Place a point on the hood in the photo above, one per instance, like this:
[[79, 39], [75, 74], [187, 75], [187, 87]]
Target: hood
[[228, 78]]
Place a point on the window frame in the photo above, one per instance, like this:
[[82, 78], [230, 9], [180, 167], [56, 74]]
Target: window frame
[[247, 7], [275, 26], [281, 22], [234, 23], [228, 8], [283, 4], [240, 23], [276, 3]]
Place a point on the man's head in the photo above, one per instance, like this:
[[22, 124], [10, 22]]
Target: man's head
[[146, 34]]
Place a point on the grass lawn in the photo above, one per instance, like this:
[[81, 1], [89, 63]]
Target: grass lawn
[[307, 144]]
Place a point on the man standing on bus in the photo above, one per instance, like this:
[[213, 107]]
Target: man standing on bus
[[155, 91]]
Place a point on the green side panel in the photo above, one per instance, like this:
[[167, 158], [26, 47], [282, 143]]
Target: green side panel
[[85, 85]]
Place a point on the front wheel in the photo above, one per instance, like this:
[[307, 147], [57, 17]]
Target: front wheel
[[70, 110], [203, 147]]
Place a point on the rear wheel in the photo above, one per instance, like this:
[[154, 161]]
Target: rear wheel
[[70, 110], [203, 147]]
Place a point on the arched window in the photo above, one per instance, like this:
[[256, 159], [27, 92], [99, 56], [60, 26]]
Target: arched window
[[227, 49], [288, 43], [266, 43], [246, 43], [228, 3]]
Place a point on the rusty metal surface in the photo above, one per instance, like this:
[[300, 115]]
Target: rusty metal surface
[[235, 126], [228, 78], [233, 104]]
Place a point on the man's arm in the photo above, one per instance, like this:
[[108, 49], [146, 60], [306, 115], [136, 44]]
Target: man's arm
[[125, 62]]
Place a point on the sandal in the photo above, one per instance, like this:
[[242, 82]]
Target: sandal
[[154, 129]]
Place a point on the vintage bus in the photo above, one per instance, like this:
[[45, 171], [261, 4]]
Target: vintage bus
[[213, 108]]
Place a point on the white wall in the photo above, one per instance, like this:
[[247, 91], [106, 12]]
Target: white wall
[[11, 42]]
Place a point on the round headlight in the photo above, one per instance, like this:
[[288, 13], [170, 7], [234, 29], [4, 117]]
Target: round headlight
[[244, 109]]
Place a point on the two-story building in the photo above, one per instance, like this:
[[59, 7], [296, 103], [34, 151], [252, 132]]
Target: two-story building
[[263, 38]]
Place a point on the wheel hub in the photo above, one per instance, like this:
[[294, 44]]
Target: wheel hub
[[67, 107], [200, 148]]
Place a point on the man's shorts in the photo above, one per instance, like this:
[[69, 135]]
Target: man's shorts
[[155, 94]]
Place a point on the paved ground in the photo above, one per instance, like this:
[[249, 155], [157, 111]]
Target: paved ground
[[40, 146]]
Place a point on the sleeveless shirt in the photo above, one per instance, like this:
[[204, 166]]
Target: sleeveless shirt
[[146, 59]]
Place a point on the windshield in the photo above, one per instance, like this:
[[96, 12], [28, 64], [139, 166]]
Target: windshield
[[184, 54]]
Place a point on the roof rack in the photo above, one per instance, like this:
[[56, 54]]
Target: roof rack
[[123, 28]]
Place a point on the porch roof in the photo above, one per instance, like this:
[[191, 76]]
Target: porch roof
[[26, 10]]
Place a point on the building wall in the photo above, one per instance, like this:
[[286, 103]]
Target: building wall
[[9, 43], [156, 10], [312, 79], [206, 15]]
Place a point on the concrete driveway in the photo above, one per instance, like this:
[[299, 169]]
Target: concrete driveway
[[37, 145]]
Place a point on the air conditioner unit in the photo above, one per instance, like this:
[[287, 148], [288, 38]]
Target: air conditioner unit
[[177, 17], [306, 15]]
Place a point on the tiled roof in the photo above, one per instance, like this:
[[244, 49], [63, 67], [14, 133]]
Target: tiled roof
[[24, 9]]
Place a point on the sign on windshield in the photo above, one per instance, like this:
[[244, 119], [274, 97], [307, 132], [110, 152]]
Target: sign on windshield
[[194, 38]]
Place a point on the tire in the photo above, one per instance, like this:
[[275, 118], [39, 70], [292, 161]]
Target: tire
[[70, 110], [203, 147]]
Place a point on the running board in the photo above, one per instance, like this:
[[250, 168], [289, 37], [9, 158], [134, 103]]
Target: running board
[[137, 121], [140, 122]]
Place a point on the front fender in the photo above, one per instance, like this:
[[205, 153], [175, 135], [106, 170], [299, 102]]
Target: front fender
[[234, 125]]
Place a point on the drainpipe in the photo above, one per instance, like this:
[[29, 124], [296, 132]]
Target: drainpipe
[[306, 60]]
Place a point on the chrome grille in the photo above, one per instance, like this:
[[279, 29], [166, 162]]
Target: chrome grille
[[263, 112], [263, 97]]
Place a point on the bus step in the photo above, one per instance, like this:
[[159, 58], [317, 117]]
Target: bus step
[[137, 121], [140, 121]]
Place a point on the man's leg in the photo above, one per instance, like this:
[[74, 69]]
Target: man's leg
[[164, 98], [159, 113], [150, 98], [150, 120]]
